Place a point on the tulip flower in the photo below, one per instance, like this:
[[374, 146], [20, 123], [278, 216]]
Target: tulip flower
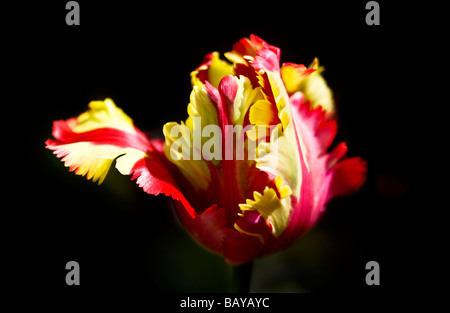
[[252, 167]]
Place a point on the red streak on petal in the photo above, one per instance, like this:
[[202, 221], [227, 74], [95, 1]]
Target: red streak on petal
[[156, 175], [100, 136], [230, 195]]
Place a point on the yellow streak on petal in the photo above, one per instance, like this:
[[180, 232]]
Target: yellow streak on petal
[[281, 155], [261, 113], [94, 161], [259, 236], [234, 57], [313, 86], [275, 210], [292, 78], [284, 190], [245, 97], [200, 107], [218, 70], [103, 114]]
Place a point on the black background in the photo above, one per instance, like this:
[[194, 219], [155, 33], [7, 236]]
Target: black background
[[141, 56]]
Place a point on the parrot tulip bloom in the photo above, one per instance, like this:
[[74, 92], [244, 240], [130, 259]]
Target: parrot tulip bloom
[[240, 198]]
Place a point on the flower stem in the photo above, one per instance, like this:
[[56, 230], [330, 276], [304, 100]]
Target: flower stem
[[241, 275]]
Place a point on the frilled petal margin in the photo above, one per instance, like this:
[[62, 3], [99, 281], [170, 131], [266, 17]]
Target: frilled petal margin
[[90, 143]]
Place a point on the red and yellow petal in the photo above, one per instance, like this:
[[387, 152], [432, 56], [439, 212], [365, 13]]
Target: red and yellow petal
[[293, 76], [90, 143], [247, 48], [212, 69], [310, 82], [305, 175]]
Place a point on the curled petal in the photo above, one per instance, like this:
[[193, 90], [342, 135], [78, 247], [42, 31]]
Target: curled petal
[[310, 82], [293, 76], [212, 69], [273, 209], [247, 48], [90, 143]]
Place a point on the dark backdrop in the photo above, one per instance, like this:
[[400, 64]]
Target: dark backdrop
[[141, 56]]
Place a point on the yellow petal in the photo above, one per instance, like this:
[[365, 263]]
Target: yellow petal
[[185, 141], [261, 113], [102, 114], [273, 209]]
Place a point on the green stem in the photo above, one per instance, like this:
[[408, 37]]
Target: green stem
[[241, 275]]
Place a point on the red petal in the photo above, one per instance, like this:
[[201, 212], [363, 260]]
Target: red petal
[[202, 69], [348, 176], [227, 89], [253, 45], [155, 175], [240, 248], [325, 177], [92, 152], [319, 131], [208, 228], [253, 224]]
